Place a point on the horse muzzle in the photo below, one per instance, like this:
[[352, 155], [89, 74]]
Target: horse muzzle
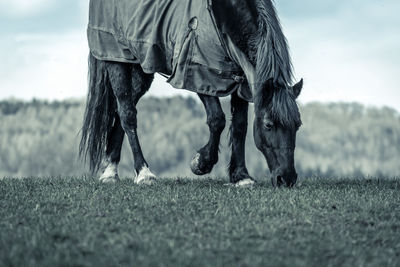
[[288, 179]]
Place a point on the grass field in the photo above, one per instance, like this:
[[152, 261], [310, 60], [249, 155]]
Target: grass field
[[53, 222]]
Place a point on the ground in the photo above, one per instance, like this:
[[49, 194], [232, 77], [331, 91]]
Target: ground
[[80, 222]]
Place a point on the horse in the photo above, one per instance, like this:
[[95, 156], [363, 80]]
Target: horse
[[214, 48]]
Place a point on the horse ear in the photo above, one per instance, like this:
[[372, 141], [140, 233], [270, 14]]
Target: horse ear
[[297, 88]]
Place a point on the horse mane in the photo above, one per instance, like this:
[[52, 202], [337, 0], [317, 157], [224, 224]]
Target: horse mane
[[273, 57], [274, 70], [283, 109]]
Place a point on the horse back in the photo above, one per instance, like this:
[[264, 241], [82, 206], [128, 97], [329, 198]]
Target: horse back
[[180, 38]]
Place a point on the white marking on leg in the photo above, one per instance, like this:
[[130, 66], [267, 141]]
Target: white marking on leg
[[110, 174], [245, 183], [145, 176]]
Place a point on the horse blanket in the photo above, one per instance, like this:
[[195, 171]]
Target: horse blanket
[[177, 38]]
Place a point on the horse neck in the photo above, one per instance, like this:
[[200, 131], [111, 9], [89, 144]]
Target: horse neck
[[256, 30], [243, 28]]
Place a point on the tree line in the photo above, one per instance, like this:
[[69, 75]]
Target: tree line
[[40, 138]]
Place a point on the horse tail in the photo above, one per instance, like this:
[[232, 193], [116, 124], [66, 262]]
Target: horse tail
[[99, 115], [273, 57]]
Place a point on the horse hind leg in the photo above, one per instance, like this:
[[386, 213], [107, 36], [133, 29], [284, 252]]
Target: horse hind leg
[[129, 84], [113, 153], [205, 159]]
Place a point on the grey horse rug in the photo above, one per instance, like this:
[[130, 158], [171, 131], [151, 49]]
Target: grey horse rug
[[177, 38]]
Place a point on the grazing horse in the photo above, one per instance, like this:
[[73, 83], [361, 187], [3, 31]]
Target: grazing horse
[[214, 48]]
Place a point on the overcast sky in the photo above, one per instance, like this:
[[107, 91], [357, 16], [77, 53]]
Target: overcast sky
[[345, 50]]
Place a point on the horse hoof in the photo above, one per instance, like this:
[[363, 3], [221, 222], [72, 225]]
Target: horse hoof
[[145, 177], [195, 166], [245, 183], [110, 174], [107, 179]]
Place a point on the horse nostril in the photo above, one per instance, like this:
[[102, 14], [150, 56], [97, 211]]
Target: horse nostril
[[279, 180], [292, 182], [288, 181]]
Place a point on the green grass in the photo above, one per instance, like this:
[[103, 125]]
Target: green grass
[[53, 222]]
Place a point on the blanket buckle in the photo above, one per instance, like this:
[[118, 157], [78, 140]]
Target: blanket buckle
[[238, 79]]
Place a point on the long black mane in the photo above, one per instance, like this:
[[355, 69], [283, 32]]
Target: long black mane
[[273, 57], [274, 69]]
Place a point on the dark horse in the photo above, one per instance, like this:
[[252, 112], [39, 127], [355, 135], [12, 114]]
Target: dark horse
[[215, 48]]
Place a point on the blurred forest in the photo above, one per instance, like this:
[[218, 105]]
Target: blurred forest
[[41, 138]]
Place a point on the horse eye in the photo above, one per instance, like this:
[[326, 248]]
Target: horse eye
[[269, 126]]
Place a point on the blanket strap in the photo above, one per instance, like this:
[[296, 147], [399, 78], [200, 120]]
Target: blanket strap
[[209, 4], [164, 75]]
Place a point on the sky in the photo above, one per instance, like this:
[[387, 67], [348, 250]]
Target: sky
[[345, 50]]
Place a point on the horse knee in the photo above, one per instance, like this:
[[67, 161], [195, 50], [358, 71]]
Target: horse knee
[[217, 123]]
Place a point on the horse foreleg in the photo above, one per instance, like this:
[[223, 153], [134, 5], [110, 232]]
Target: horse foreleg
[[113, 153], [238, 173], [204, 161], [129, 84]]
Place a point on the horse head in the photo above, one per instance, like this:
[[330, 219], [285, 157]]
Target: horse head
[[277, 120]]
